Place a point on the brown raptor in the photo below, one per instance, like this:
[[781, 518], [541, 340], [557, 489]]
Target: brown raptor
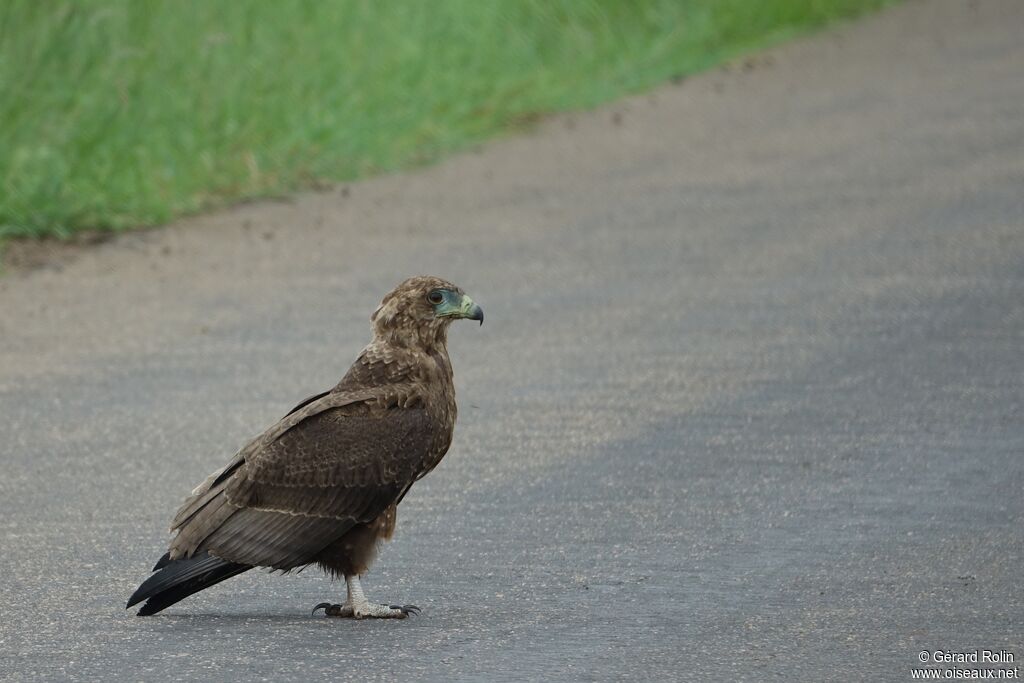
[[322, 485]]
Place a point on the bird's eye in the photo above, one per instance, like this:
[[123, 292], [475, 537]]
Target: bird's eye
[[435, 297]]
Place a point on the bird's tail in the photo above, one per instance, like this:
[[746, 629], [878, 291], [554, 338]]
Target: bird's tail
[[175, 580]]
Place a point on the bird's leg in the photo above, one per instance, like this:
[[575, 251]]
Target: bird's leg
[[356, 605]]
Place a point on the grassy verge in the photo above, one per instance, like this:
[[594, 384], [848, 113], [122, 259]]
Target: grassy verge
[[123, 113]]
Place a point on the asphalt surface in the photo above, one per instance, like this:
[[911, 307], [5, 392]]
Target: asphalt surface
[[747, 405]]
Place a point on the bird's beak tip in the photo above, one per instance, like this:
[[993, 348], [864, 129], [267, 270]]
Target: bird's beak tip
[[472, 311]]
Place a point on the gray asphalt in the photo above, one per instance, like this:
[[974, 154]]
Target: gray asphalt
[[747, 405]]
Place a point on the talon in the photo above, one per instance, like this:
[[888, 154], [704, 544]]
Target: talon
[[406, 609], [334, 610]]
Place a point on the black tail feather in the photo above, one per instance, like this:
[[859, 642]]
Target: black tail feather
[[162, 562], [178, 579]]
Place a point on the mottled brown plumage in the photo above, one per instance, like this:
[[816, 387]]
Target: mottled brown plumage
[[322, 485]]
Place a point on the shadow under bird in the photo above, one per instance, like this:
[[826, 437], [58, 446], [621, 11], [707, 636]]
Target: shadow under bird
[[322, 486]]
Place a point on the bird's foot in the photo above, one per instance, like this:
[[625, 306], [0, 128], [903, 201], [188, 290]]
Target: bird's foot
[[367, 610]]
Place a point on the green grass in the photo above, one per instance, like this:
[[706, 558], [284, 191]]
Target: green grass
[[123, 113]]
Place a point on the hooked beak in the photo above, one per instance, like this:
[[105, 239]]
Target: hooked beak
[[470, 310]]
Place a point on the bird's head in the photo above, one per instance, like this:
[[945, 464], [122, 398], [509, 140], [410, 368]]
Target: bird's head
[[419, 311]]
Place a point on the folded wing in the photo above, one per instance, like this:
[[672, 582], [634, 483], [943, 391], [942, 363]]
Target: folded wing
[[336, 462]]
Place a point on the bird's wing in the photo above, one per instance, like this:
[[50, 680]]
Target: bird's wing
[[305, 402], [212, 485], [335, 462]]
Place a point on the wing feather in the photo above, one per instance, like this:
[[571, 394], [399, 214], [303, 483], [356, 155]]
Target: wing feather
[[272, 539], [336, 461]]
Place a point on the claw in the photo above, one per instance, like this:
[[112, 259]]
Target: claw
[[334, 610], [407, 609]]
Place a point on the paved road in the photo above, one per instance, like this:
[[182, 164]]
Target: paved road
[[747, 405]]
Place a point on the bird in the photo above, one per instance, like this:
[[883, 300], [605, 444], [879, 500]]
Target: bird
[[322, 485]]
